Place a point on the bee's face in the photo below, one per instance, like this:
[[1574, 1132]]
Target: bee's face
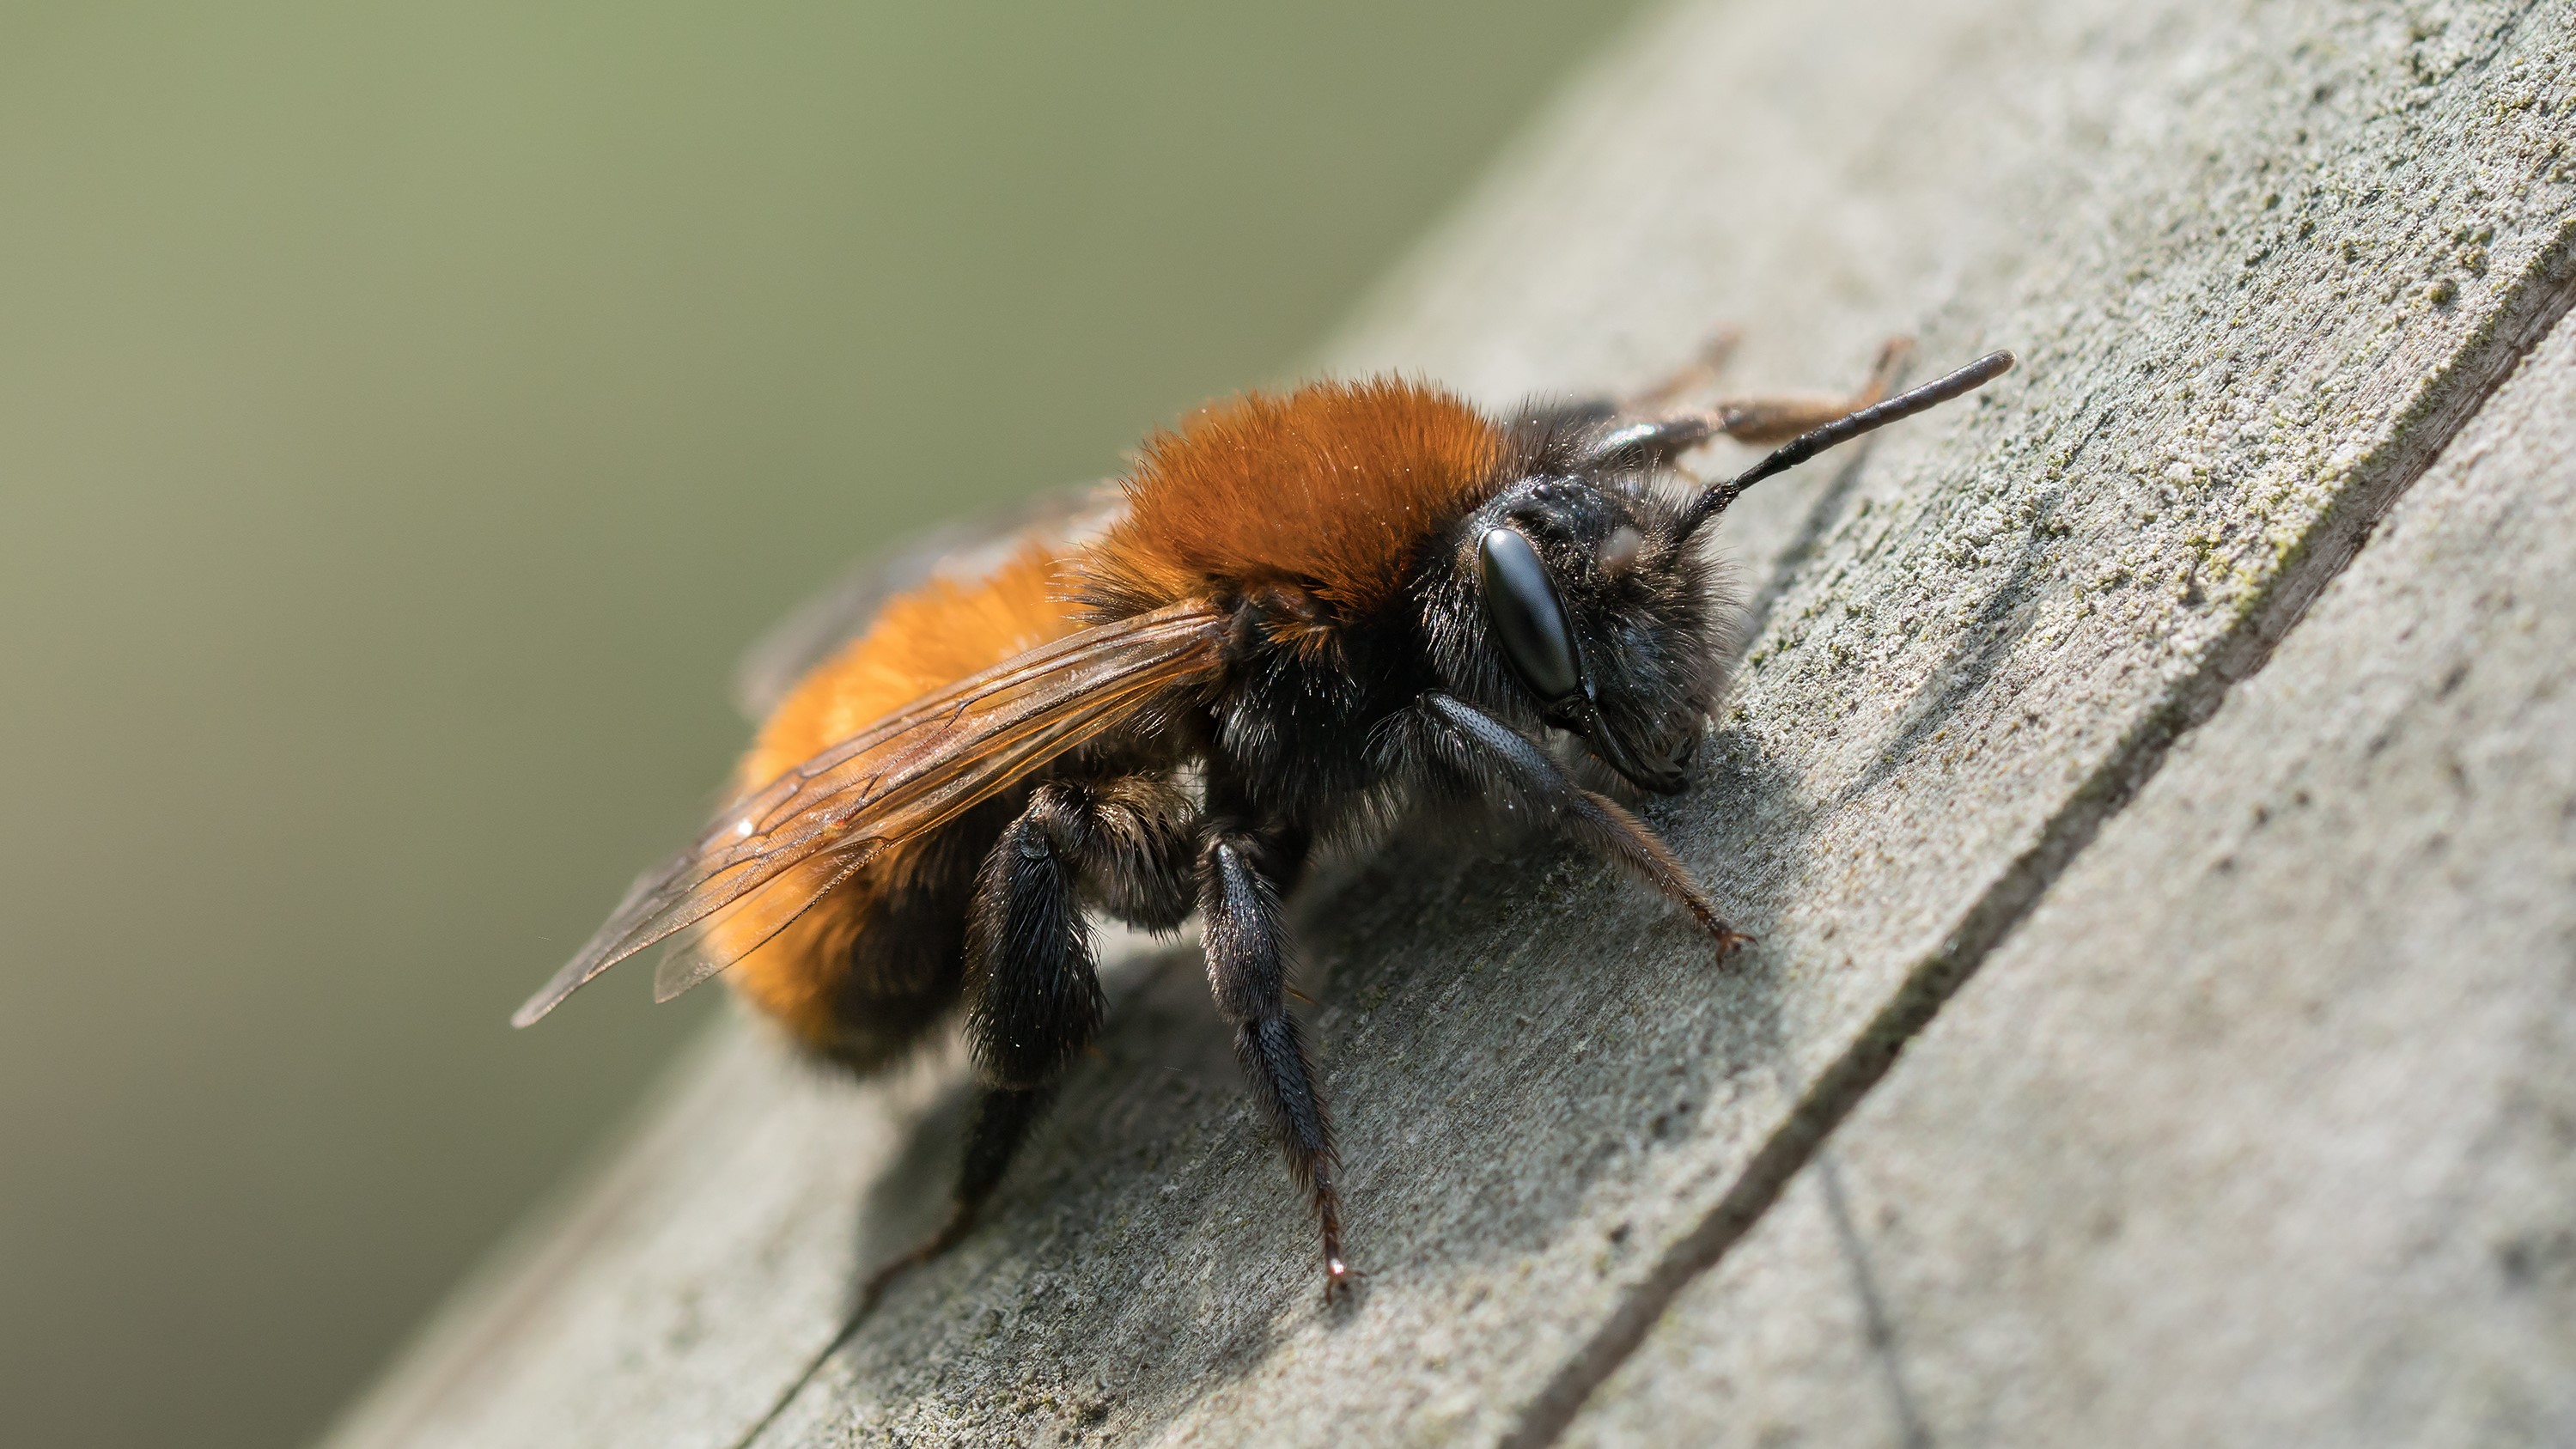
[[1590, 612]]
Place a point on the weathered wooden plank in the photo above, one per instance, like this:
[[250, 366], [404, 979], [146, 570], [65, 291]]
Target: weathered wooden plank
[[2259, 262], [2263, 1129], [2067, 597]]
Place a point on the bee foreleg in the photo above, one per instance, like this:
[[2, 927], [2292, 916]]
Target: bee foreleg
[[1485, 748], [1247, 959]]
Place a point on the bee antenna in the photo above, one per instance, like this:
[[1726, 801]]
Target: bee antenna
[[1843, 429]]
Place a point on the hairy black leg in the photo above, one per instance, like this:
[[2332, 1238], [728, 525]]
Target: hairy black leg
[[1033, 1000], [1247, 959], [1484, 748]]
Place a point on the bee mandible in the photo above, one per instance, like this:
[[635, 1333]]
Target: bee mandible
[[1297, 615]]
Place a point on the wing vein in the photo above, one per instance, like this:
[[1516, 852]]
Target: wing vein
[[910, 772]]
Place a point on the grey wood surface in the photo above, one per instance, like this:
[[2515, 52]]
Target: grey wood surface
[[2262, 265], [2262, 1130]]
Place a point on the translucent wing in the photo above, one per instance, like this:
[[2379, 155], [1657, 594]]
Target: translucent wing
[[966, 549], [911, 772], [700, 951]]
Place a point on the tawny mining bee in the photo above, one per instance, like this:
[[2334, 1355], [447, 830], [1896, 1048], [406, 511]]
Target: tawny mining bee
[[1295, 615]]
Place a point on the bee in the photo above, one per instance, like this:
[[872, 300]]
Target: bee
[[1297, 615]]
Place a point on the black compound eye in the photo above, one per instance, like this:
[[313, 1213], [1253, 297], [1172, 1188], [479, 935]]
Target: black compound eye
[[1527, 616]]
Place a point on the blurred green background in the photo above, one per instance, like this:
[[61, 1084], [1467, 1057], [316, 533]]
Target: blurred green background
[[405, 416]]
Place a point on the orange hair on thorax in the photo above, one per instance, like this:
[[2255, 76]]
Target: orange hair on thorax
[[1329, 489]]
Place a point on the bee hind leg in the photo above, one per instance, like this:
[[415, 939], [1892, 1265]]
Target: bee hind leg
[[1001, 1122], [1033, 1000]]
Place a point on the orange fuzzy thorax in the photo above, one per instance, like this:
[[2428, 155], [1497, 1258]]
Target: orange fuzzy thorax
[[1328, 489]]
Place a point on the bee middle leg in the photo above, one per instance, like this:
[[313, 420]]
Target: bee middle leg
[[1247, 959], [1033, 996]]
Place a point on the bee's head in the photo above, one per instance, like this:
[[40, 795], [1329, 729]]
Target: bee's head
[[1577, 598]]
